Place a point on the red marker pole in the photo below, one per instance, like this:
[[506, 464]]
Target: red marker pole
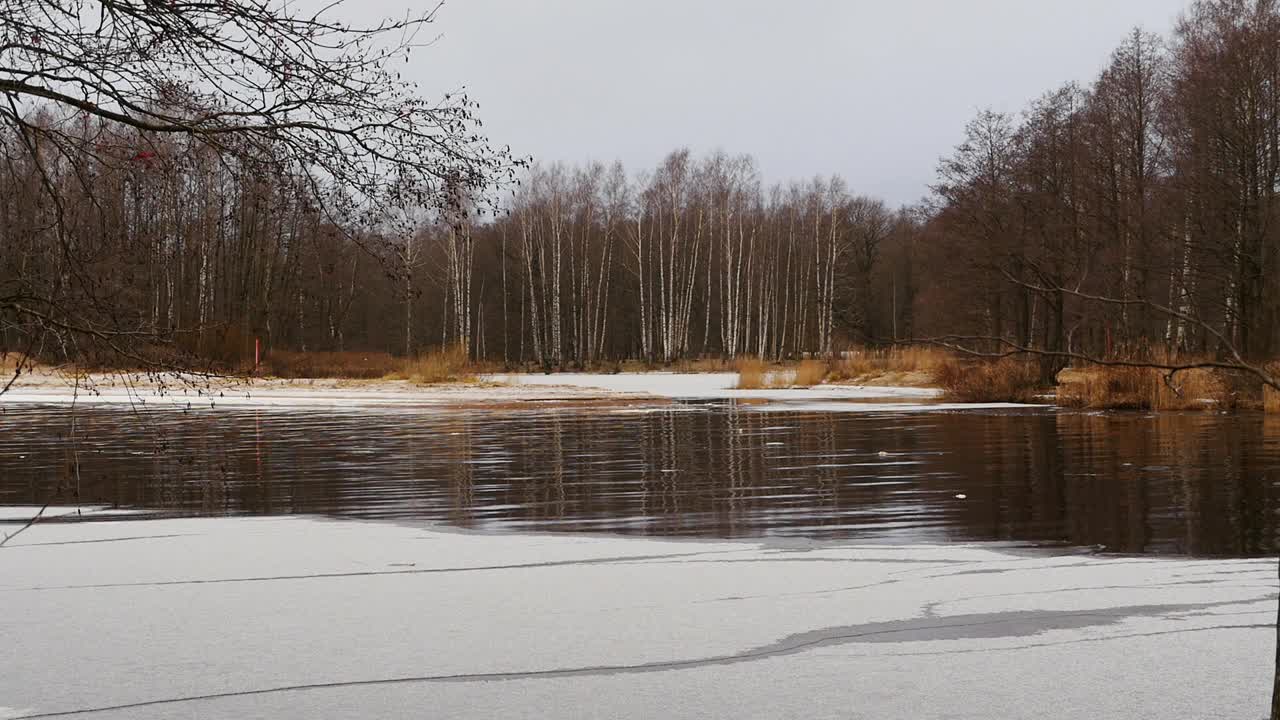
[[257, 354]]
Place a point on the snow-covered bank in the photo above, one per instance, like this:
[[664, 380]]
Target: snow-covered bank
[[307, 618], [722, 386], [269, 392], [706, 386], [626, 390], [21, 513]]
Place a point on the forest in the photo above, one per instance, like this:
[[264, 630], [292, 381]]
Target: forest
[[1131, 212]]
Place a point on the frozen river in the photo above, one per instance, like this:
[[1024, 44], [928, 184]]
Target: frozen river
[[708, 559]]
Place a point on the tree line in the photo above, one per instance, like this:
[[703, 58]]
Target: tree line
[[178, 177], [1131, 213], [582, 265]]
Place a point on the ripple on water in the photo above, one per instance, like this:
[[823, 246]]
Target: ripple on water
[[1179, 483]]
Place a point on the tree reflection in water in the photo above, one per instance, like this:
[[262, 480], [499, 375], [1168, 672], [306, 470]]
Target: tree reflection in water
[[1190, 483]]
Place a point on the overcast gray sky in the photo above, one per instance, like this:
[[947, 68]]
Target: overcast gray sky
[[876, 90]]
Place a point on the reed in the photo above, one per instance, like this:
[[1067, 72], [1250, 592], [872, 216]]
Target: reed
[[911, 364], [11, 362], [809, 373], [436, 366], [1190, 390], [1011, 379], [751, 373], [349, 365], [1121, 387], [447, 364]]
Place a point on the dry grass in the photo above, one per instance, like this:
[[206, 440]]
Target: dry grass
[[1115, 388], [353, 365], [755, 374], [448, 364], [437, 366], [809, 373], [226, 346], [910, 366], [899, 365], [751, 373], [1191, 390], [1271, 396], [1010, 379], [11, 362], [1140, 388]]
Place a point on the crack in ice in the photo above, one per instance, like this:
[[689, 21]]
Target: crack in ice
[[960, 627]]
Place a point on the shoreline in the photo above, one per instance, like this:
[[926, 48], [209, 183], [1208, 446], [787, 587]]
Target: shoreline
[[617, 390]]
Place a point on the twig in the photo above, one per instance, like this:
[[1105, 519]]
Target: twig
[[32, 521]]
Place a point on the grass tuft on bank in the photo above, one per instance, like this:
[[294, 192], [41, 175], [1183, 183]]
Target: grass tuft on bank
[[898, 365], [448, 364], [809, 373], [1141, 388], [1271, 396], [752, 374], [755, 374], [910, 366], [440, 365], [1010, 379], [347, 365], [1114, 387]]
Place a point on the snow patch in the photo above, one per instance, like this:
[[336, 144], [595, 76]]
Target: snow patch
[[706, 386], [326, 619]]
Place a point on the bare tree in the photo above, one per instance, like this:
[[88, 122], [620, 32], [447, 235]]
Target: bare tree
[[303, 104]]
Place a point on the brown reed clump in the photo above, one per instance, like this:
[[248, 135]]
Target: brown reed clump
[[447, 364], [809, 373], [1010, 379], [1121, 387], [350, 364], [751, 373], [909, 365]]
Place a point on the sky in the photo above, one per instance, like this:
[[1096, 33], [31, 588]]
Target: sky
[[874, 90]]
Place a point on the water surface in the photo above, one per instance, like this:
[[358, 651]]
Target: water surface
[[1191, 483]]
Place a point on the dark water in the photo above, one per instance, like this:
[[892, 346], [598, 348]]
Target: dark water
[[1182, 483]]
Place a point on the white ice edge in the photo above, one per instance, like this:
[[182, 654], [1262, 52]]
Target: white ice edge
[[119, 613], [252, 399], [534, 387], [23, 513], [706, 386]]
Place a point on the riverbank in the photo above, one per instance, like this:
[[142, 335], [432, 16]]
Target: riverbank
[[641, 389], [307, 618], [187, 390], [448, 376], [959, 385]]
